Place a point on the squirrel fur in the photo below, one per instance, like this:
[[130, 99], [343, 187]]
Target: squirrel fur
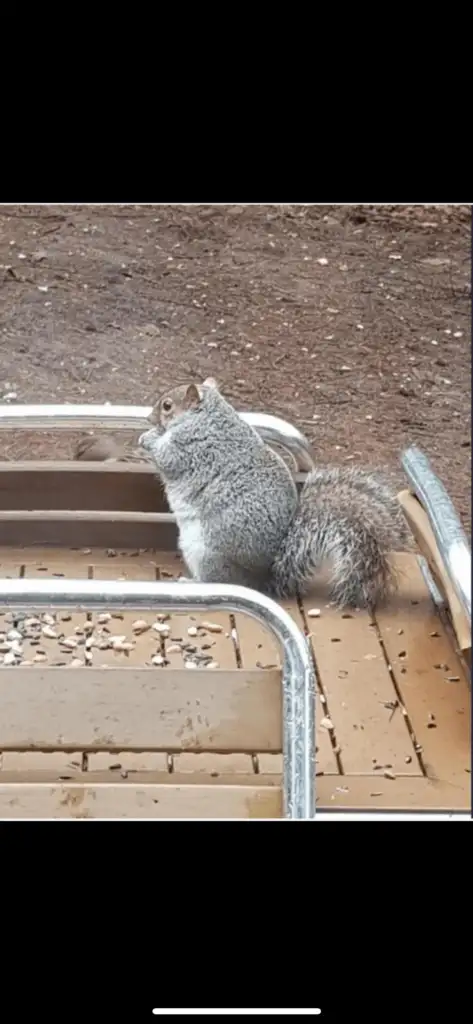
[[241, 519]]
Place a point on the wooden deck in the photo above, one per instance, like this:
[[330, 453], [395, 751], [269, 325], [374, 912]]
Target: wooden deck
[[393, 706]]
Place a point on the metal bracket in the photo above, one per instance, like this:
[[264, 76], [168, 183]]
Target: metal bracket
[[448, 531], [272, 429], [298, 675]]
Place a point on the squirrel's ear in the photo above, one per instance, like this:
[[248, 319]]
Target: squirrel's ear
[[192, 397], [211, 383]]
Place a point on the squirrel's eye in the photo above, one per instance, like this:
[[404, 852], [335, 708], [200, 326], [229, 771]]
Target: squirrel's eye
[[167, 405]]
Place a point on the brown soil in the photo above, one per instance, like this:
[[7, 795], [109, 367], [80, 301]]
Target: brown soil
[[352, 322]]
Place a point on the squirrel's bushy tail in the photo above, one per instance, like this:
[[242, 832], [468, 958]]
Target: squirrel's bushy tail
[[348, 519]]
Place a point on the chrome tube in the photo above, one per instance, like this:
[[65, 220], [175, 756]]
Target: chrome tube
[[448, 531], [273, 430], [298, 672]]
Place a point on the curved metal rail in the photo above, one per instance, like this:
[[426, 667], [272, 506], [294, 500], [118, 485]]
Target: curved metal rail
[[449, 534], [298, 671], [272, 429]]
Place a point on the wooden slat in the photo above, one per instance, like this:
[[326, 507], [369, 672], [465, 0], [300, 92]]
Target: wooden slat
[[107, 529], [214, 764], [76, 485], [419, 650], [246, 799], [406, 793], [360, 692], [34, 761], [154, 795], [259, 648], [119, 709], [127, 761]]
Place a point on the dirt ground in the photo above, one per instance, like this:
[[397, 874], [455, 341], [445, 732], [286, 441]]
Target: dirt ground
[[352, 322]]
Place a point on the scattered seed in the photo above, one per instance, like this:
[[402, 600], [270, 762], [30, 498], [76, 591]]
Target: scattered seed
[[453, 679], [75, 663], [50, 632], [158, 659], [389, 775], [212, 664], [193, 631], [161, 628], [70, 642], [314, 613], [39, 656], [14, 634], [212, 627], [103, 618], [408, 759], [9, 658], [48, 619], [326, 723], [190, 664], [140, 626]]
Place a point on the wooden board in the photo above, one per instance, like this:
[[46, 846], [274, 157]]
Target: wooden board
[[421, 762], [168, 710], [246, 799], [360, 698], [430, 680]]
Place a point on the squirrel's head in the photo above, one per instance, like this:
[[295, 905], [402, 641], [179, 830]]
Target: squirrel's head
[[184, 398]]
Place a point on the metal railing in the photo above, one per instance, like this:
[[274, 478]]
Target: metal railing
[[272, 429], [448, 531], [298, 677]]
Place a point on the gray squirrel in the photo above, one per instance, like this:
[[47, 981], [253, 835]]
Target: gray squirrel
[[241, 519]]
